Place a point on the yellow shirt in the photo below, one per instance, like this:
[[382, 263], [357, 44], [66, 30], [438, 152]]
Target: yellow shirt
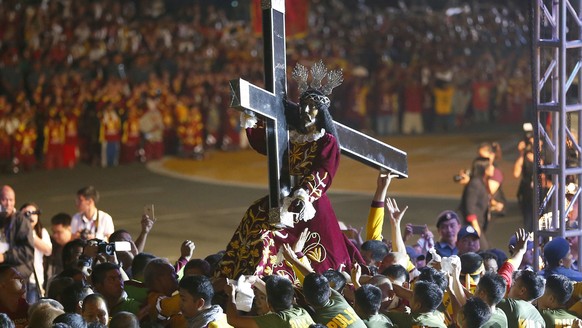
[[375, 223], [443, 100], [577, 294]]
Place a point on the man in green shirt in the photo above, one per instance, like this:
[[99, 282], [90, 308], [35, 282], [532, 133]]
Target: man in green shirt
[[474, 313], [196, 295], [367, 303], [527, 287], [491, 289], [426, 297], [107, 281], [280, 294], [331, 309], [552, 304]]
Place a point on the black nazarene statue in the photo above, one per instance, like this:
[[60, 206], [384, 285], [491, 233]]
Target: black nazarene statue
[[314, 155]]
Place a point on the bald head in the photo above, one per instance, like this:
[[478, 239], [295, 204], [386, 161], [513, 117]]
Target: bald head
[[124, 320], [384, 284], [7, 199]]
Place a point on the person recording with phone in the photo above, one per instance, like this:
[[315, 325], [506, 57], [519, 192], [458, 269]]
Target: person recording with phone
[[89, 222], [425, 240]]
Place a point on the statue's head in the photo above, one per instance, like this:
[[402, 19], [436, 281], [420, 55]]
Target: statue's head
[[314, 101]]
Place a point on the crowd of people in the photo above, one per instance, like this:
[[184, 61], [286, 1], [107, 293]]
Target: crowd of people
[[77, 78], [110, 82], [292, 266], [74, 276]]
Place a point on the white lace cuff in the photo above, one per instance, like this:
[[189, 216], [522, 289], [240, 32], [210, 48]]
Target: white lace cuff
[[248, 120], [308, 210]]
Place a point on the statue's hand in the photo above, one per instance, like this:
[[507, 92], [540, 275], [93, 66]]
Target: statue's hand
[[298, 207]]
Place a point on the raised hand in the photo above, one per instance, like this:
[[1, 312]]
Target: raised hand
[[187, 249], [147, 223], [522, 237], [395, 213], [384, 179], [289, 254], [407, 231], [300, 243], [356, 274]]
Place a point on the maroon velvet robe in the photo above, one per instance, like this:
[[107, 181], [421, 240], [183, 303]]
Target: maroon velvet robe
[[253, 248]]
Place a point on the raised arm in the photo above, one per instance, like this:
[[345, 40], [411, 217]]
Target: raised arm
[[518, 165], [396, 215], [507, 269], [299, 265], [376, 214], [232, 316], [146, 226]]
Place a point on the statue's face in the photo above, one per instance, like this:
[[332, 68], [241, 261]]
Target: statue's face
[[308, 115]]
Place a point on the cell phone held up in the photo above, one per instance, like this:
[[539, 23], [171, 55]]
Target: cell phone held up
[[149, 211], [418, 229]]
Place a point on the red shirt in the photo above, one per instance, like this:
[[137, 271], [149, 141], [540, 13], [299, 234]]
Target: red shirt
[[20, 316], [413, 98]]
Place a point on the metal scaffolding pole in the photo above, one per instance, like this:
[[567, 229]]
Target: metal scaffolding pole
[[557, 99]]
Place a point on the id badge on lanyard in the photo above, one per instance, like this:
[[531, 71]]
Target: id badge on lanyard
[[93, 225]]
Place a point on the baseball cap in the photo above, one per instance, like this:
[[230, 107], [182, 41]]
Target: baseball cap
[[467, 231], [446, 216], [556, 250]]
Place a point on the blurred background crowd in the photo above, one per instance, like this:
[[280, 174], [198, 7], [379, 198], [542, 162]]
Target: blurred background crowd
[[77, 77]]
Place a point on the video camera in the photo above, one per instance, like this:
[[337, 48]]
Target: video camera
[[104, 247], [111, 248]]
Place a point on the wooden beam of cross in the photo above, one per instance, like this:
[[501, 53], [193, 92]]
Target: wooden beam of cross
[[268, 103]]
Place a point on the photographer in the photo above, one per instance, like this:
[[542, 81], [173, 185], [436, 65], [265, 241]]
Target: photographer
[[475, 201], [42, 247], [16, 239], [98, 251], [497, 200], [90, 222]]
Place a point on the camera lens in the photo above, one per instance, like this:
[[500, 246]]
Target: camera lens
[[109, 249]]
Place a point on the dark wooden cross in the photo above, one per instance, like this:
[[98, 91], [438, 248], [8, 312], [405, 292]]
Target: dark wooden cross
[[268, 104]]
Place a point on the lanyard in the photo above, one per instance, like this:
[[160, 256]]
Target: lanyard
[[94, 225]]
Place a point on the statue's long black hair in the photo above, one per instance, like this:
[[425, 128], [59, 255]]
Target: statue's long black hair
[[325, 121]]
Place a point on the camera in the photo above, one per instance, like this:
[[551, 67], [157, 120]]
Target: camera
[[28, 214], [104, 247], [459, 177], [85, 263], [84, 234]]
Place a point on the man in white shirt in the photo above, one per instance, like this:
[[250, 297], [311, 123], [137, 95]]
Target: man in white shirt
[[90, 222]]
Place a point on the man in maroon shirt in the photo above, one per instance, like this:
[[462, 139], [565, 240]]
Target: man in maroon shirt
[[12, 301]]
